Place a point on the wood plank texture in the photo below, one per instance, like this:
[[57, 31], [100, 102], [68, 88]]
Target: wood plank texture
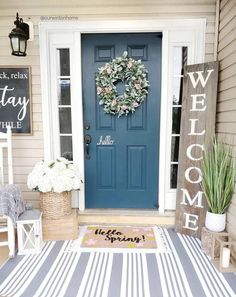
[[167, 220], [65, 228], [190, 213]]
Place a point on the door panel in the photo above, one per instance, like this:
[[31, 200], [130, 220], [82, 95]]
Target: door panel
[[106, 165], [136, 156], [122, 168]]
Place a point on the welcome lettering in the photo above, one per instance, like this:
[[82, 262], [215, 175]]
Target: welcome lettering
[[199, 103], [197, 128]]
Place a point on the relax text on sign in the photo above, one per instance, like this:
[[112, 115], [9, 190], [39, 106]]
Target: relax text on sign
[[15, 105]]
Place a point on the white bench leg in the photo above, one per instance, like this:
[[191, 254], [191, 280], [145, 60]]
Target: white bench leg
[[11, 237]]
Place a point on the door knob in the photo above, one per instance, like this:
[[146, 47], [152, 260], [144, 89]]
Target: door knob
[[87, 141]]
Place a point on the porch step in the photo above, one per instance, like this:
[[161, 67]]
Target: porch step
[[123, 217]]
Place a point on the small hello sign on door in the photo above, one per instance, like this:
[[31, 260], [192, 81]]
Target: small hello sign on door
[[197, 129]]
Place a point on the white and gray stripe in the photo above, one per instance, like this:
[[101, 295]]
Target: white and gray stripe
[[59, 275], [213, 283], [96, 276], [55, 272], [16, 283], [134, 279]]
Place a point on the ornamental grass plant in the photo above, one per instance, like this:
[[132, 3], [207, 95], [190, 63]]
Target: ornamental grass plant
[[218, 176]]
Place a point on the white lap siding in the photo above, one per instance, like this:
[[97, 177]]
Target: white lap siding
[[226, 107]]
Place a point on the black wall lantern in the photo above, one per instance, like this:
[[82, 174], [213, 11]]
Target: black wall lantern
[[19, 37]]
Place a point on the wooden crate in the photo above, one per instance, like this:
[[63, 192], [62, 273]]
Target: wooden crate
[[209, 244], [217, 260], [65, 228]]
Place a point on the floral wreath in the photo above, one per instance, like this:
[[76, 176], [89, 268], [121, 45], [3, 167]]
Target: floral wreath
[[127, 70]]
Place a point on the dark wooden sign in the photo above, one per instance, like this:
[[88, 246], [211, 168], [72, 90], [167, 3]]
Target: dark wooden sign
[[197, 129], [15, 99]]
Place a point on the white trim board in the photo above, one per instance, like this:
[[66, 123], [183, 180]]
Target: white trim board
[[187, 32]]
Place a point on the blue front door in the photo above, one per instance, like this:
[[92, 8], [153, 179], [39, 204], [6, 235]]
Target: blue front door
[[121, 165]]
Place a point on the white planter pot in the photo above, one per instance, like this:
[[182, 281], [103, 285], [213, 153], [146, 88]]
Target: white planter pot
[[215, 222]]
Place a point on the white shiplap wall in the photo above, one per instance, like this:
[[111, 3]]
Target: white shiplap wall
[[29, 149], [226, 107]]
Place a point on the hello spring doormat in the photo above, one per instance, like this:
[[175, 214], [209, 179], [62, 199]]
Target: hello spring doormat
[[119, 237]]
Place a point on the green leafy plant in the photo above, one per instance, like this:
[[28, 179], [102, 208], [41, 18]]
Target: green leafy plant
[[133, 74], [218, 176]]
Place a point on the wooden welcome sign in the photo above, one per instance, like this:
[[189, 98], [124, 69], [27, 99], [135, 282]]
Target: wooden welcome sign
[[15, 102], [197, 130]]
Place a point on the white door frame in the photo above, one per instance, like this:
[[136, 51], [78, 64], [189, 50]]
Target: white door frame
[[188, 32]]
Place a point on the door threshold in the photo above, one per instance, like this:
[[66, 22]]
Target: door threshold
[[124, 211], [126, 216]]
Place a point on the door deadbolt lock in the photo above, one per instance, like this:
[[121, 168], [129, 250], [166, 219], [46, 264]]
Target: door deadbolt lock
[[87, 126]]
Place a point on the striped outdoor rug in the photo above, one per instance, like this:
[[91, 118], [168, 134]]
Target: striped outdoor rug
[[183, 272]]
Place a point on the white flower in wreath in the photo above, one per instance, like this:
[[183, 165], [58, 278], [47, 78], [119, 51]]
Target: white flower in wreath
[[127, 70]]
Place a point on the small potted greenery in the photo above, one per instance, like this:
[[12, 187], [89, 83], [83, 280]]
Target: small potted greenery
[[218, 181]]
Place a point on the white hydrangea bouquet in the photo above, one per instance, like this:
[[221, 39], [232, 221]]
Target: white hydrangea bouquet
[[56, 176]]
